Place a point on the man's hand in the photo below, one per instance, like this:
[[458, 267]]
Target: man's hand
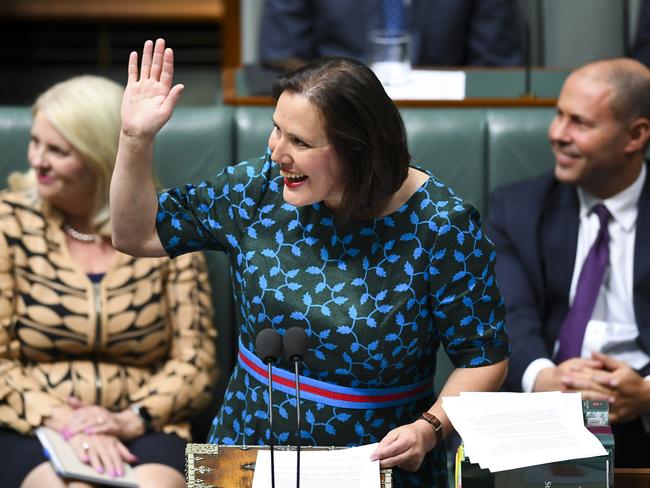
[[630, 396], [552, 379]]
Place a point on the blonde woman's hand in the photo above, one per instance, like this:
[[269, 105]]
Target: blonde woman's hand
[[90, 419], [105, 453], [149, 98]]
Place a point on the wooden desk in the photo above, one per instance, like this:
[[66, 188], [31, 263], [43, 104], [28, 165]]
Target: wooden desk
[[226, 13], [484, 87], [132, 10], [632, 478]]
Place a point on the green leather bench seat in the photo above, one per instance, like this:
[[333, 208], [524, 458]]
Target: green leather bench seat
[[517, 145], [473, 150], [451, 144]]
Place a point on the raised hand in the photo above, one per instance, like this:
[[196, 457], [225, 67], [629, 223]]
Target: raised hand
[[149, 97]]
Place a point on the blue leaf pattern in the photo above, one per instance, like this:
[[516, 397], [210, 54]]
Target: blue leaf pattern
[[376, 299]]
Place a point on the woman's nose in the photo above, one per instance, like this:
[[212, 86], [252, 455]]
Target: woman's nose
[[37, 155], [278, 153]]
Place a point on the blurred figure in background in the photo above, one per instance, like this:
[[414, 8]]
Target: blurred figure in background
[[443, 33], [114, 352]]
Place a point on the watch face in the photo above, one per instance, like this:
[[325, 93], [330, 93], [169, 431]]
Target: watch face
[[144, 414]]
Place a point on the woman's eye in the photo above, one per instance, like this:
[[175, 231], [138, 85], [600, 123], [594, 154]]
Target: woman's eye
[[58, 151], [300, 143]]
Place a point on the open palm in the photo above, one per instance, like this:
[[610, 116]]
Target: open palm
[[150, 98]]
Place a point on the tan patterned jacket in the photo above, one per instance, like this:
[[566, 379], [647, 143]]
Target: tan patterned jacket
[[143, 334]]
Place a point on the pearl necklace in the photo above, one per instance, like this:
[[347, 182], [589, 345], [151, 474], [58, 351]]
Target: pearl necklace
[[79, 236]]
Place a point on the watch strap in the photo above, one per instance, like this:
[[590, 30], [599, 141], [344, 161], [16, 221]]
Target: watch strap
[[144, 415], [435, 423]]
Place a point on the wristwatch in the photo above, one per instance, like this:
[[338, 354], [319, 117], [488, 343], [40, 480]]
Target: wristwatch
[[435, 423], [144, 415]]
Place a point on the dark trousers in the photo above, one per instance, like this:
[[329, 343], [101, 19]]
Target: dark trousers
[[631, 443]]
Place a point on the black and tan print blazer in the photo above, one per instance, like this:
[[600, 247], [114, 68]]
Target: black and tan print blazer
[[143, 334]]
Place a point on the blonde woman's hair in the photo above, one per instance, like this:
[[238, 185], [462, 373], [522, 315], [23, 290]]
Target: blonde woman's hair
[[86, 112]]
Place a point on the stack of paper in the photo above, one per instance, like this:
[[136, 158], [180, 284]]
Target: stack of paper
[[512, 430], [340, 468], [429, 85]]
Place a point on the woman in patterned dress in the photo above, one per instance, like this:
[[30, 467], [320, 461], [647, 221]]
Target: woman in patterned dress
[[333, 231], [112, 351]]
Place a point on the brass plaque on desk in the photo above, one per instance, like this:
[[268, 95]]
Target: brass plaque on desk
[[218, 466]]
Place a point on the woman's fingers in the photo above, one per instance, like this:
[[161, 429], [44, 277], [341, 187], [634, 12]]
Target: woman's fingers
[[87, 419], [104, 453], [127, 455], [147, 53], [133, 68], [167, 75], [157, 60], [109, 455]]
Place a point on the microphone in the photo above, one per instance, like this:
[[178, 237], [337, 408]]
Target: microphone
[[295, 342], [525, 30], [268, 345]]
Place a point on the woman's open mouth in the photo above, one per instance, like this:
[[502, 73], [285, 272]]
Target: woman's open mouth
[[291, 179]]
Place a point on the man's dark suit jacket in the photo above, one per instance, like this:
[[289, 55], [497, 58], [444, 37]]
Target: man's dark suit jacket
[[444, 32], [534, 226]]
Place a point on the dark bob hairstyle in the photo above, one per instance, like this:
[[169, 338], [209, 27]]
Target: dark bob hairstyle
[[361, 122]]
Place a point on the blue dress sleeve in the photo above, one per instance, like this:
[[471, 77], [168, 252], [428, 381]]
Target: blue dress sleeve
[[465, 298], [215, 213]]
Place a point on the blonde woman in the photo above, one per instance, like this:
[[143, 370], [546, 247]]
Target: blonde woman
[[114, 352]]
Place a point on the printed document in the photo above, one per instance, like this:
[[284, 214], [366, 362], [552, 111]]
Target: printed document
[[503, 431], [340, 468]]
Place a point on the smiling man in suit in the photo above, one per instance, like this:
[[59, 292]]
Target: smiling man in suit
[[573, 254]]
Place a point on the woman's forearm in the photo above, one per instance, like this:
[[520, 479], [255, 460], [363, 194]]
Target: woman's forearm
[[133, 198], [484, 378]]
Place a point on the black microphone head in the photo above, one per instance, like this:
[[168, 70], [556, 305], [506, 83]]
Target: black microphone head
[[268, 345], [295, 342]]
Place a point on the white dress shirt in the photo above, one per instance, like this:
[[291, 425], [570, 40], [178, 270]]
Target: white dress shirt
[[612, 329]]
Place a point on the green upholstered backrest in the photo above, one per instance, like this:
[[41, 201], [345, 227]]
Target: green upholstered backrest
[[252, 129], [517, 144], [473, 150], [15, 124], [451, 144], [195, 144]]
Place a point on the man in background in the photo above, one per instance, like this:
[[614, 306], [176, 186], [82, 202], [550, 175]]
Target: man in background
[[443, 33], [572, 254]]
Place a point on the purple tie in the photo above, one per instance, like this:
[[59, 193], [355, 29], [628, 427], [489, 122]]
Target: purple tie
[[591, 278]]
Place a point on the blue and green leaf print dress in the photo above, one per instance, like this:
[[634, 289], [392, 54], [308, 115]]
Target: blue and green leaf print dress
[[376, 299]]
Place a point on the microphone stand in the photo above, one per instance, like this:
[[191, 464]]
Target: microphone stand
[[525, 27], [269, 347], [296, 362], [295, 343], [271, 440]]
